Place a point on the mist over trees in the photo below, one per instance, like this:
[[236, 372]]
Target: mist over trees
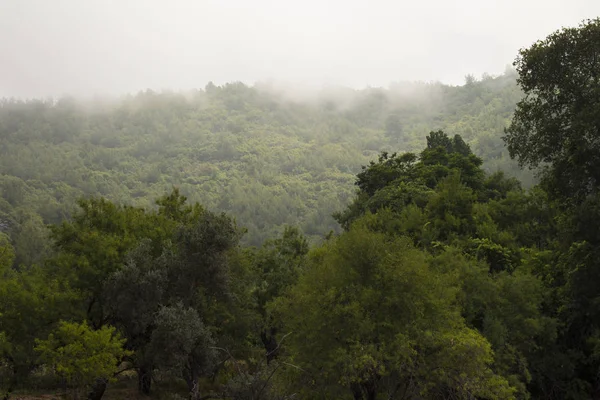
[[242, 243], [263, 154]]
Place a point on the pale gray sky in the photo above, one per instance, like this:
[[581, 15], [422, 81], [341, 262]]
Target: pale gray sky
[[85, 47]]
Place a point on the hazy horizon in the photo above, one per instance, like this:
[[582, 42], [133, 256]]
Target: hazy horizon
[[86, 48]]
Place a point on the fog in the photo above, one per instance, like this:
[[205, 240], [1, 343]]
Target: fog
[[107, 47]]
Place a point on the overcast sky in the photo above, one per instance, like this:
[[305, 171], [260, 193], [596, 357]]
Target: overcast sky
[[86, 47]]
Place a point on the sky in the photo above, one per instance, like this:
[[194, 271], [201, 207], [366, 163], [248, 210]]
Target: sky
[[112, 47]]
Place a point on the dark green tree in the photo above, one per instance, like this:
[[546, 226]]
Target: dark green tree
[[556, 127], [370, 318], [439, 139], [557, 124], [183, 344], [133, 295], [277, 266]]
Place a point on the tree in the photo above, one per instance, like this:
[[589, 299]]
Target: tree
[[188, 268], [388, 169], [32, 242], [520, 339], [439, 139], [450, 209], [401, 181], [483, 228], [557, 124], [133, 295], [201, 270], [277, 266], [183, 344], [556, 127], [370, 317], [7, 253], [82, 355], [460, 146], [443, 155], [31, 303], [127, 261], [173, 206], [94, 244]]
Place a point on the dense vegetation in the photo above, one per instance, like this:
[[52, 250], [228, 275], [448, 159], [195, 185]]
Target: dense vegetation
[[446, 278], [263, 156]]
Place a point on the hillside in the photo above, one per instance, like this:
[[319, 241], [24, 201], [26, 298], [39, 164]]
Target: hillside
[[267, 156], [277, 243]]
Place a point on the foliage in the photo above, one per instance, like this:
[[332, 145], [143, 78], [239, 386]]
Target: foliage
[[31, 303], [181, 342], [370, 316], [556, 126], [7, 253], [446, 277], [81, 355], [276, 266], [479, 227], [557, 121], [256, 153]]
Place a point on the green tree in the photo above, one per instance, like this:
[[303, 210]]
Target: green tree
[[7, 253], [439, 139], [398, 182], [370, 317], [556, 127], [82, 355], [190, 268], [94, 244], [556, 124], [450, 208], [277, 266], [32, 242], [508, 310], [133, 295], [120, 281], [183, 344], [31, 303]]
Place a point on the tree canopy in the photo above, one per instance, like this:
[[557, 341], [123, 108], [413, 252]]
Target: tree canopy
[[556, 123], [122, 255]]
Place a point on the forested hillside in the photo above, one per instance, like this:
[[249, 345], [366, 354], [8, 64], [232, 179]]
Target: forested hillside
[[268, 156], [434, 276]]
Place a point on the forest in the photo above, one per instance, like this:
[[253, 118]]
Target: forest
[[423, 241]]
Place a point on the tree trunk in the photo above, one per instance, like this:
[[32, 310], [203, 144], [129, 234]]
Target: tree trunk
[[144, 379], [270, 343], [357, 393], [364, 391], [596, 394], [7, 394], [17, 378], [98, 389], [370, 390], [9, 389], [191, 378]]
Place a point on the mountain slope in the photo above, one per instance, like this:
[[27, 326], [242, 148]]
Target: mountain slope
[[262, 154]]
